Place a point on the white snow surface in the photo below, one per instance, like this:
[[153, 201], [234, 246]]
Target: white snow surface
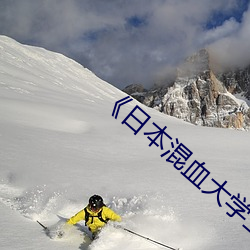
[[59, 144]]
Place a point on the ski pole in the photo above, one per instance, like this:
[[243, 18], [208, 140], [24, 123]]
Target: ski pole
[[45, 228], [149, 239]]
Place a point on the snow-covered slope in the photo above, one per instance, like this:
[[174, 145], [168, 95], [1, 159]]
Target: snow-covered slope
[[60, 144]]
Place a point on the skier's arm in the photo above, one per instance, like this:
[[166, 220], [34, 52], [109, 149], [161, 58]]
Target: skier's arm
[[77, 217], [110, 214]]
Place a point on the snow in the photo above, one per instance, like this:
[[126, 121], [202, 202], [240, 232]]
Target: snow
[[242, 99], [60, 144]]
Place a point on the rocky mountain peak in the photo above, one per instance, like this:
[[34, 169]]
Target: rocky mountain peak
[[196, 64], [200, 96]]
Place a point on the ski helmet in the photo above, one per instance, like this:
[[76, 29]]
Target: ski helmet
[[95, 202]]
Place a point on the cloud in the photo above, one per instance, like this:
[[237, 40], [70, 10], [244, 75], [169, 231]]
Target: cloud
[[125, 42], [228, 28], [233, 49]]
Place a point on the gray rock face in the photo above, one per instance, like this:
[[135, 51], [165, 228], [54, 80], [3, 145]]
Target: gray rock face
[[237, 81], [200, 97]]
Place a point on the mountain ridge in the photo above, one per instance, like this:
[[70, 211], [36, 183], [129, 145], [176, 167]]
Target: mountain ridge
[[201, 95]]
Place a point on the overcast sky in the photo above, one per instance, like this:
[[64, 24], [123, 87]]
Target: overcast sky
[[131, 41]]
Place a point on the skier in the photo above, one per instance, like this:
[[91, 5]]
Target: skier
[[95, 214]]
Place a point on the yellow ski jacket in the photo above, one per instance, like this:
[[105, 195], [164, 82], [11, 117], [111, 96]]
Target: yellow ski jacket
[[94, 223]]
